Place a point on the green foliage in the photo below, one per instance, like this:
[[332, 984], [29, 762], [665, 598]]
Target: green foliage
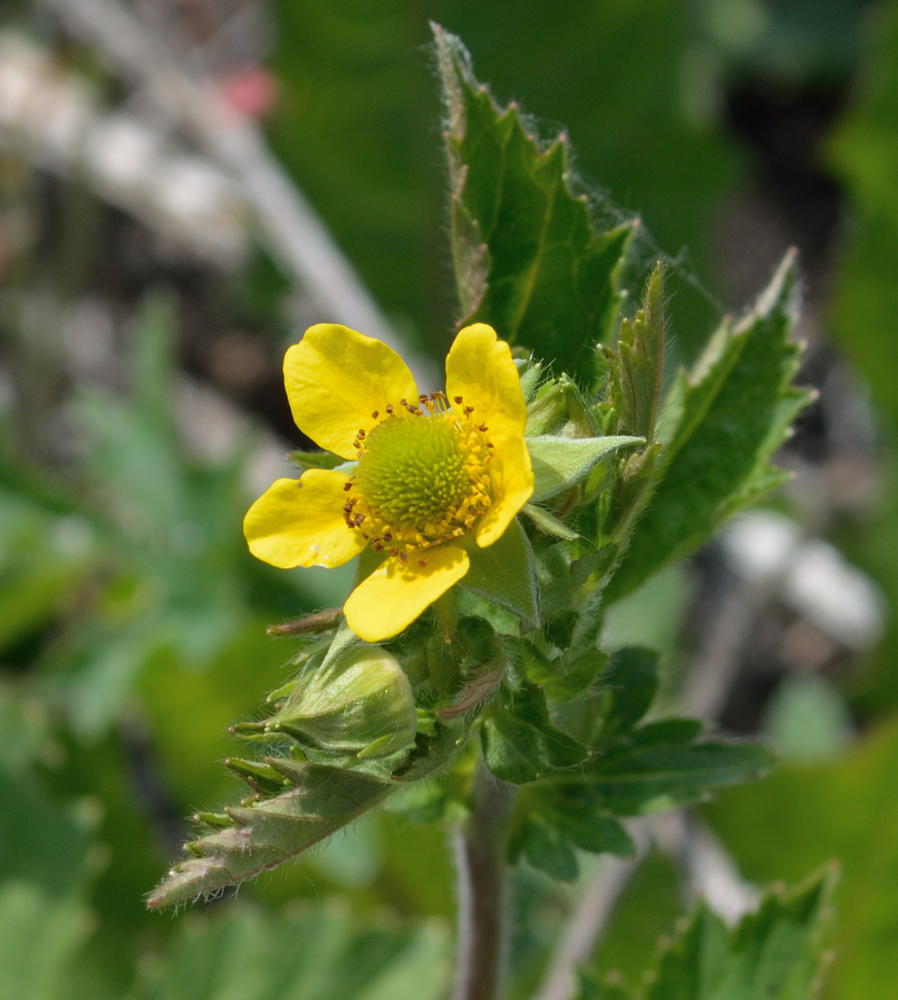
[[311, 955], [733, 412], [846, 810], [40, 933], [528, 260], [505, 573], [774, 954], [268, 829], [641, 363], [519, 742], [631, 769], [864, 151]]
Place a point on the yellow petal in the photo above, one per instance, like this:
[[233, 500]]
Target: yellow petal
[[395, 594], [300, 523], [336, 378], [511, 480], [479, 368]]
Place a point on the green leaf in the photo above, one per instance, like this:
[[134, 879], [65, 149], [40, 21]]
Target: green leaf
[[559, 462], [527, 259], [520, 744], [550, 821], [736, 410], [504, 573], [846, 809], [266, 831], [314, 954], [630, 682], [774, 954], [667, 770]]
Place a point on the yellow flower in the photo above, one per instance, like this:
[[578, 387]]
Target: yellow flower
[[432, 475]]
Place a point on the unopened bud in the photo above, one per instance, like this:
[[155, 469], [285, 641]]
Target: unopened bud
[[361, 702]]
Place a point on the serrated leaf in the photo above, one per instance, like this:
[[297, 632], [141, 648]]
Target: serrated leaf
[[664, 773], [559, 463], [519, 742], [268, 831], [774, 954], [527, 259], [504, 572], [736, 410]]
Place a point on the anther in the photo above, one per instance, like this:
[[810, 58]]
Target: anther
[[347, 486], [403, 557], [457, 399], [361, 435], [469, 410], [421, 562], [375, 414], [423, 399], [390, 409], [483, 428]]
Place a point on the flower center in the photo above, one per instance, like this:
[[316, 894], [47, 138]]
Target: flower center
[[421, 477]]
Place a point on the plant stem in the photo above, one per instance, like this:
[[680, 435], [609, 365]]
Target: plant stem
[[482, 897]]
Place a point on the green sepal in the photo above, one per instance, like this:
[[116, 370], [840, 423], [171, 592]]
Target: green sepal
[[560, 463], [548, 523], [519, 742], [504, 572], [318, 460], [559, 407], [259, 775]]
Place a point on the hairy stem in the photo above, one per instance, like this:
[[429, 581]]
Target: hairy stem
[[482, 903]]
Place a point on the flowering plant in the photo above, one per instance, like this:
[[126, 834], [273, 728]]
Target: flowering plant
[[493, 524]]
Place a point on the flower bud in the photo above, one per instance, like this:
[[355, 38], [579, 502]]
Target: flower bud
[[360, 702]]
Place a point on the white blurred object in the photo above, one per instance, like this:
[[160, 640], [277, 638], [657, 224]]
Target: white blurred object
[[49, 116], [808, 575]]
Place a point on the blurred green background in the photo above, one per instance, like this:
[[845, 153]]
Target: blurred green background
[[141, 411]]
